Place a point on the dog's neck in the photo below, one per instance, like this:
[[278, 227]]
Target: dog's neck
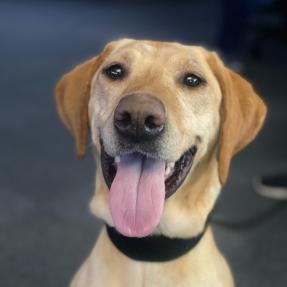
[[154, 248]]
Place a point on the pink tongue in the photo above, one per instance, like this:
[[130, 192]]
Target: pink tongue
[[137, 195]]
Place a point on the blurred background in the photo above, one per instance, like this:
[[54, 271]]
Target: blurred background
[[46, 230]]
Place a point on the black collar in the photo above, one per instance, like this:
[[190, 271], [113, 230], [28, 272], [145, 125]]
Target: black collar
[[157, 248]]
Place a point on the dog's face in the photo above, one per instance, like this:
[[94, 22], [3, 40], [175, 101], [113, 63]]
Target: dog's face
[[158, 82], [160, 115]]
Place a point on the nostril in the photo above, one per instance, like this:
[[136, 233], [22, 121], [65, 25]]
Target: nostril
[[154, 124], [150, 122], [125, 118]]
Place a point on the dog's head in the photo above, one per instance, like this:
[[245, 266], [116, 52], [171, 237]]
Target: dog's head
[[164, 118]]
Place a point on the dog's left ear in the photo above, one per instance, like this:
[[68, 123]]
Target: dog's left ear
[[242, 114], [72, 95]]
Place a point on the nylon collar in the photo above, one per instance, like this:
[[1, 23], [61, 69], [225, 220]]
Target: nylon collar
[[155, 248]]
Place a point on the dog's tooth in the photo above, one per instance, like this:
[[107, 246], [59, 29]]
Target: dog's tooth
[[171, 165], [117, 159], [167, 171]]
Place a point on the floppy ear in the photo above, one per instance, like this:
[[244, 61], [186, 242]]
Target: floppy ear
[[72, 95], [242, 114]]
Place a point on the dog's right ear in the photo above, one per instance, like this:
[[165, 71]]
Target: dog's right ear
[[72, 95]]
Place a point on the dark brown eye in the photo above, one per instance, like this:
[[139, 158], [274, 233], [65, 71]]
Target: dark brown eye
[[115, 72], [192, 80]]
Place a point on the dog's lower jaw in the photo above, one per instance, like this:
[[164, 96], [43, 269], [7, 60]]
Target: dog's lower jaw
[[184, 213]]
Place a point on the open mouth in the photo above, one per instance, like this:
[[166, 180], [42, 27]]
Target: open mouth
[[175, 173], [138, 187]]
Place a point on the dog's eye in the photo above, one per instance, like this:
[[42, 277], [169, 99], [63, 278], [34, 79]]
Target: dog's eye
[[192, 80], [115, 72]]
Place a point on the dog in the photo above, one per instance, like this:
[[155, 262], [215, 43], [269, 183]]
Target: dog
[[165, 121]]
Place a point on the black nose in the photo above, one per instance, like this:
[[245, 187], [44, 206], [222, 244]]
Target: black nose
[[140, 117]]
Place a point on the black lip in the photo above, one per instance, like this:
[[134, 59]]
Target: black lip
[[181, 169]]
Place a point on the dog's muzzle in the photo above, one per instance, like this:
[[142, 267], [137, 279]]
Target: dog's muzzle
[[138, 178]]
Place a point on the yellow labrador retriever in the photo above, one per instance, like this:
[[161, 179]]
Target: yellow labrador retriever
[[165, 120]]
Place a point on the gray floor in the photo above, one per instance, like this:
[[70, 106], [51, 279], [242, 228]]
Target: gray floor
[[45, 227]]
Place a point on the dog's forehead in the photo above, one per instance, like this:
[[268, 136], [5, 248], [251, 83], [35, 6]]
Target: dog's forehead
[[158, 50]]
